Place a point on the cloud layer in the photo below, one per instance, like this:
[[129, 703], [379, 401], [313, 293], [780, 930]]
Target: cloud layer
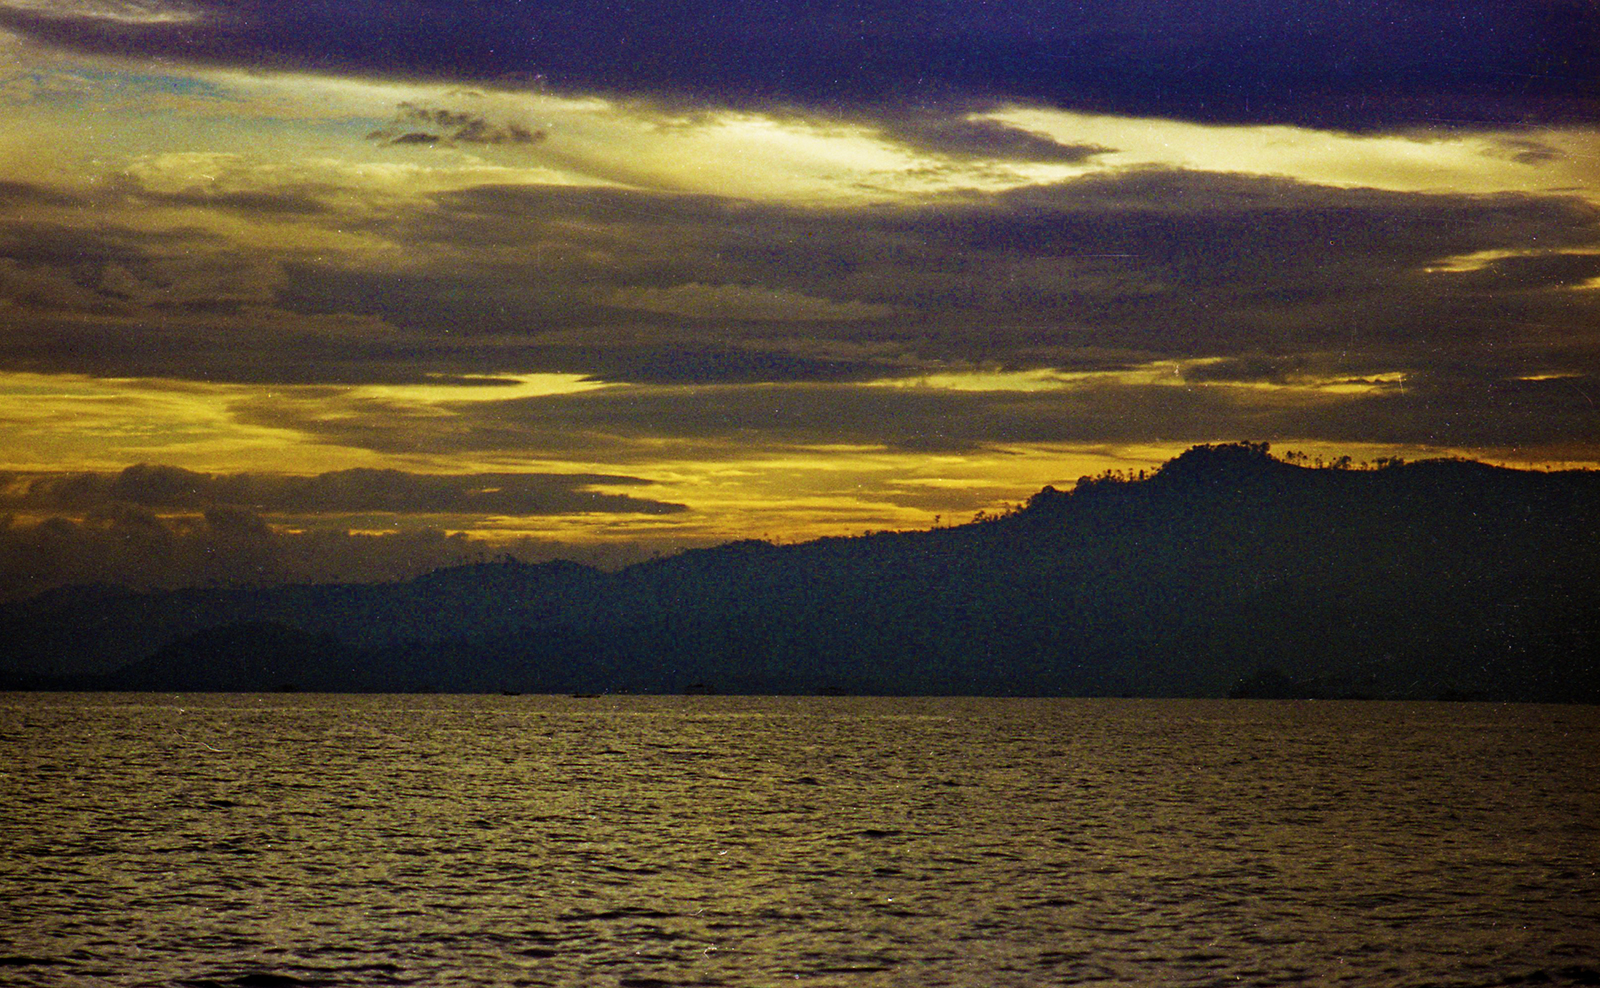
[[626, 286], [140, 549], [150, 526], [355, 491], [1322, 63]]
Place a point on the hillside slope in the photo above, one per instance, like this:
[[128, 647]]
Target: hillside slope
[[1226, 571]]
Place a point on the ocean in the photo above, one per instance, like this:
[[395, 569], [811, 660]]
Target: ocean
[[253, 841]]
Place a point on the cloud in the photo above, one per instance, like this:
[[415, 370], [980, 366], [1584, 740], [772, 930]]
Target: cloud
[[1173, 263], [703, 362], [648, 287], [1323, 63], [739, 302], [452, 127], [40, 288], [150, 526], [131, 12], [129, 188], [13, 194], [1530, 152], [959, 136], [136, 548], [1368, 396], [258, 202], [355, 491]]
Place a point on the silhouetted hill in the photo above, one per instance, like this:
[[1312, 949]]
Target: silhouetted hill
[[1226, 571], [251, 657], [95, 630]]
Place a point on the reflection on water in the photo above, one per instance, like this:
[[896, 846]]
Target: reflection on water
[[321, 840]]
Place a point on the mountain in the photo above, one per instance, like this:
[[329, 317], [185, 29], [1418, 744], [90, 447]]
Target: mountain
[[250, 657], [1226, 571]]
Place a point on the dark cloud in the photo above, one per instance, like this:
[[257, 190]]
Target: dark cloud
[[1470, 409], [1130, 267], [1328, 399], [452, 127], [136, 548], [957, 137], [1530, 152], [78, 249], [707, 423], [161, 526], [123, 190], [29, 194], [1249, 368], [356, 491], [709, 363], [262, 203], [1530, 273], [1350, 64], [1171, 264]]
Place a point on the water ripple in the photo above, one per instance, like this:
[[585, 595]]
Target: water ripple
[[253, 842]]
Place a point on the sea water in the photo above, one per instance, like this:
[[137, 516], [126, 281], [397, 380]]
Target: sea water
[[284, 840]]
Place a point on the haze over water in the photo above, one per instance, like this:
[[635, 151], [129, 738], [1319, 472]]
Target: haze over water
[[466, 840]]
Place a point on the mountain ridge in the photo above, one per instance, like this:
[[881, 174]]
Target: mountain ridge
[[1224, 571]]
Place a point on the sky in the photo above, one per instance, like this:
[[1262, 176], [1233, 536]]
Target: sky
[[332, 290]]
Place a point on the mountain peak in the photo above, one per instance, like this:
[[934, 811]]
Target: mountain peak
[[1222, 459]]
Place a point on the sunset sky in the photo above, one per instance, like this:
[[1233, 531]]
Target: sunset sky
[[330, 289]]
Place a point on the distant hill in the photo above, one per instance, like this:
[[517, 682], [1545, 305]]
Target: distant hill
[[251, 657], [1225, 572]]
